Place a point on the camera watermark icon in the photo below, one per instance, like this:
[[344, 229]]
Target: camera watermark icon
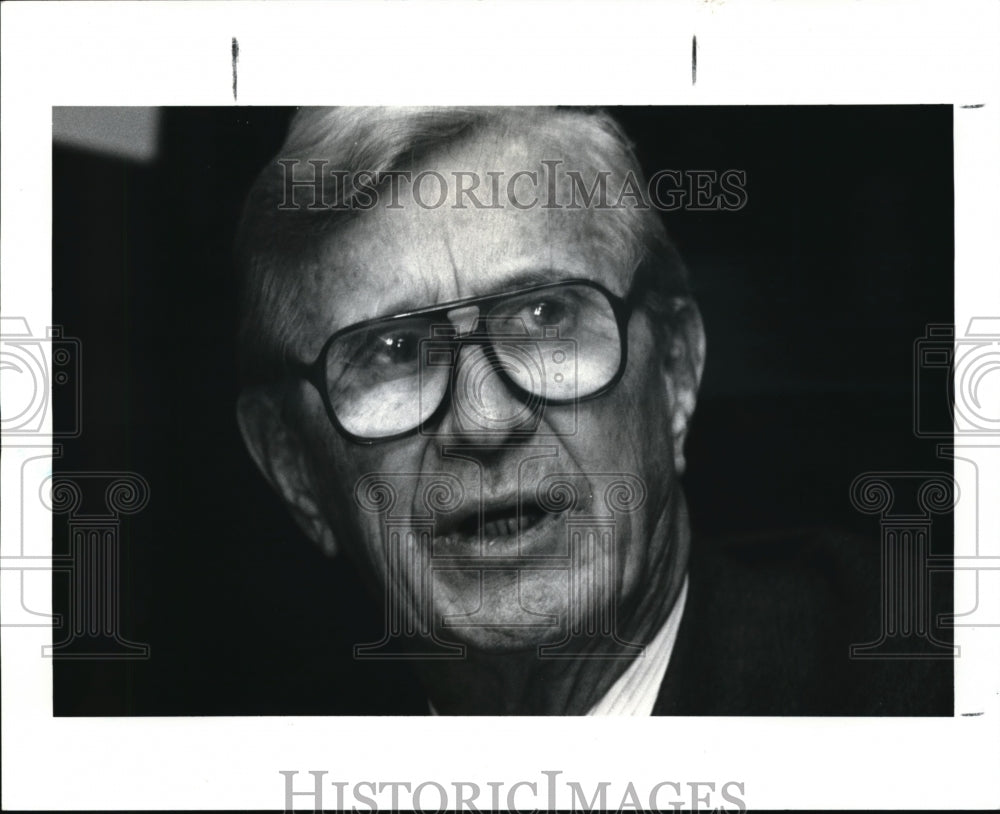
[[979, 537], [530, 372], [965, 373], [36, 370], [26, 566]]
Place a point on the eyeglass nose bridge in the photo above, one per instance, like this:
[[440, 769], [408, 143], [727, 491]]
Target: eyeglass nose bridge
[[483, 328], [463, 319], [470, 396], [449, 340], [443, 348]]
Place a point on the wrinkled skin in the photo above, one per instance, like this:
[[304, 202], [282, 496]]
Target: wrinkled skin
[[389, 261]]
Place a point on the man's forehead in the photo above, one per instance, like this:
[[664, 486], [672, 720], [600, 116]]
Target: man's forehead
[[390, 260]]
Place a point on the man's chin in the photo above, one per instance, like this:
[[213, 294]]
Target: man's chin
[[500, 640], [500, 611]]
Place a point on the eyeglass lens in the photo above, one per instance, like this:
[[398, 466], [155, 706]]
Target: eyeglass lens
[[556, 344]]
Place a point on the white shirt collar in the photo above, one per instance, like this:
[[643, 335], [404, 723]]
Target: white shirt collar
[[636, 690]]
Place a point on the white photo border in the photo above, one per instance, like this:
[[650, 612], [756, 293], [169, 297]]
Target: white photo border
[[137, 53]]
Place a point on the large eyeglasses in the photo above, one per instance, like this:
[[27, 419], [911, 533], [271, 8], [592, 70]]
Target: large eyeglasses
[[555, 343]]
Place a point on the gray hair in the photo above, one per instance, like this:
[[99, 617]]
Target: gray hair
[[271, 241]]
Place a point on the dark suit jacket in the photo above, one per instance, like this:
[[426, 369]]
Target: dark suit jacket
[[768, 626], [766, 630]]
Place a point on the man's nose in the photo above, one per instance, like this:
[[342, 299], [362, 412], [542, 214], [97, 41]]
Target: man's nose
[[484, 405]]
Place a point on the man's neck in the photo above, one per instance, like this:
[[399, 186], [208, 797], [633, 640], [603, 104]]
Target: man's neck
[[523, 683]]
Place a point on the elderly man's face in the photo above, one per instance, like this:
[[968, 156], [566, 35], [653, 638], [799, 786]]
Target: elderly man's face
[[389, 261]]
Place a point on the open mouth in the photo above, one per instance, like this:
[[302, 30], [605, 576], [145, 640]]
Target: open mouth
[[499, 523]]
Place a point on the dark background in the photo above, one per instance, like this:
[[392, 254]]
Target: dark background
[[812, 295]]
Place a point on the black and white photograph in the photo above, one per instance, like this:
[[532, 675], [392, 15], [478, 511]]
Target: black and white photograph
[[507, 411], [372, 418]]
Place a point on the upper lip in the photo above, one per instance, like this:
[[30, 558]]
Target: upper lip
[[471, 518]]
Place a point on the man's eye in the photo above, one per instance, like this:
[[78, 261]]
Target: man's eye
[[393, 349], [547, 312]]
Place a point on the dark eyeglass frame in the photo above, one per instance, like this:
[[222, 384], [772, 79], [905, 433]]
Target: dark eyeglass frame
[[315, 372]]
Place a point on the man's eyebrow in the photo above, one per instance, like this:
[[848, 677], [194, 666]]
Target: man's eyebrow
[[515, 282], [528, 278], [403, 305]]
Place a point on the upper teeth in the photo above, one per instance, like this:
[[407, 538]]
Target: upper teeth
[[500, 528]]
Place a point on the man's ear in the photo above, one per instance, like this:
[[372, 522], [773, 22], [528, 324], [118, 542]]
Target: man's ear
[[684, 365], [278, 453]]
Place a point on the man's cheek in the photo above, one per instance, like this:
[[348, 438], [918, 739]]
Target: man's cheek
[[346, 464], [355, 480], [615, 434]]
